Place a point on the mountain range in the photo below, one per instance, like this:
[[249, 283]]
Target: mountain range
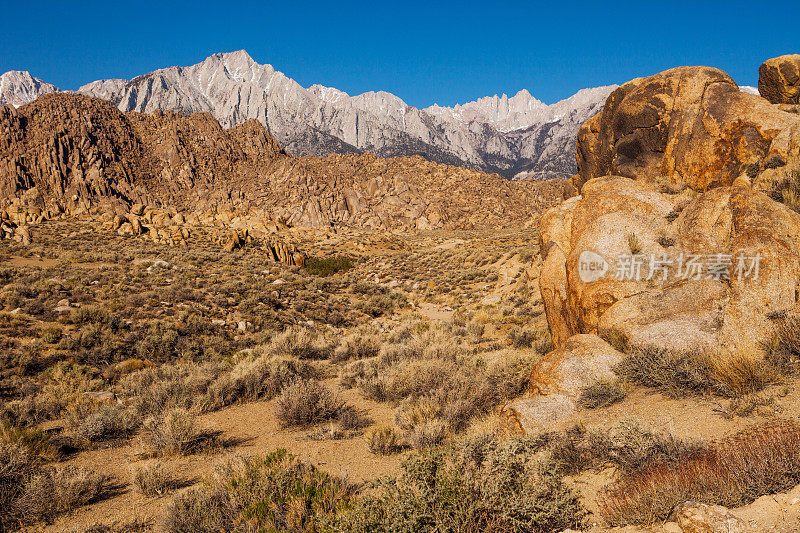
[[516, 137]]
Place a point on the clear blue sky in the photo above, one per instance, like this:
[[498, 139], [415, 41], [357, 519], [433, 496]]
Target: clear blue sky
[[424, 52]]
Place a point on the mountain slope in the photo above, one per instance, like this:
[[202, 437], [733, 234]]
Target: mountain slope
[[69, 153], [494, 134]]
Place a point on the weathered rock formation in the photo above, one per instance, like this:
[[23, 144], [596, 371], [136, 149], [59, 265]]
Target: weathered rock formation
[[67, 153], [673, 176], [686, 127], [779, 79]]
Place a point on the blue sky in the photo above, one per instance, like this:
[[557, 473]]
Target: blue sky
[[445, 52]]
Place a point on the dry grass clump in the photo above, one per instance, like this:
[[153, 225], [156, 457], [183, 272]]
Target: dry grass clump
[[173, 433], [273, 492], [302, 343], [480, 485], [89, 422], [153, 479], [383, 440], [677, 374], [602, 394], [783, 347], [762, 459], [30, 492], [305, 402], [256, 376]]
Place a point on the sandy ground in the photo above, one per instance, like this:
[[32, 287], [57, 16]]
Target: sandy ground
[[255, 430]]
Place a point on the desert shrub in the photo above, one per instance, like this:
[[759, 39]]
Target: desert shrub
[[90, 422], [483, 485], [302, 343], [53, 491], [17, 465], [350, 418], [368, 288], [627, 446], [383, 440], [273, 492], [521, 338], [156, 389], [51, 335], [357, 345], [153, 479], [255, 377], [174, 432], [760, 460], [305, 402], [35, 442], [783, 347], [677, 374], [328, 265], [787, 190], [601, 394]]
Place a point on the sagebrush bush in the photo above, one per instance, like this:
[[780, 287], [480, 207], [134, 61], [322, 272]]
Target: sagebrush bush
[[601, 394], [760, 460], [695, 372], [256, 377], [383, 440], [53, 491], [302, 343], [173, 433], [153, 479], [627, 446], [90, 422], [305, 402], [153, 390], [273, 492], [482, 485]]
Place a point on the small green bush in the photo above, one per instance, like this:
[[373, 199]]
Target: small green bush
[[328, 265]]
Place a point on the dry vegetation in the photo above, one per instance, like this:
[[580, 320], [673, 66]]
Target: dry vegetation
[[112, 342]]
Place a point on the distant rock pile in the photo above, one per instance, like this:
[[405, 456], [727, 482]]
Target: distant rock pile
[[71, 155]]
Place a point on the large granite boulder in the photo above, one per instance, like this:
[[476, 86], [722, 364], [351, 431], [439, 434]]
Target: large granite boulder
[[681, 271], [779, 79], [686, 127]]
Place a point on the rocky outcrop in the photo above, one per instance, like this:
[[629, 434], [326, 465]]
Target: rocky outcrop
[[558, 380], [687, 127], [779, 79], [517, 136], [694, 517], [670, 239], [75, 155]]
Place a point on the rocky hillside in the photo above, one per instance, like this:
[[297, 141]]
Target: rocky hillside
[[518, 136], [69, 153]]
